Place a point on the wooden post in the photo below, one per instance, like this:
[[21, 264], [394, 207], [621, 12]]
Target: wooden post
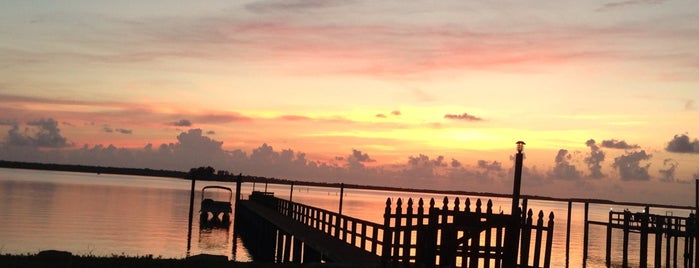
[[512, 234], [608, 249], [696, 224], [586, 233], [625, 250], [570, 206], [387, 242], [291, 192], [191, 214], [643, 252], [342, 194], [238, 183]]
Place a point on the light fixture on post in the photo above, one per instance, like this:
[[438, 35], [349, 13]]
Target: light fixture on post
[[512, 234]]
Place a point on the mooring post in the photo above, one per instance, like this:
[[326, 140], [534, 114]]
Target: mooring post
[[696, 224], [291, 192], [625, 246], [570, 205], [342, 194], [512, 233], [586, 234], [266, 181], [191, 214], [238, 183], [608, 248], [643, 254]]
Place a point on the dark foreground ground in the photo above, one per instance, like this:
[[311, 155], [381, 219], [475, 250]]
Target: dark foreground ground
[[59, 259]]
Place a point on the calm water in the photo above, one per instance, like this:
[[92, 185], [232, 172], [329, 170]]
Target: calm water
[[112, 214]]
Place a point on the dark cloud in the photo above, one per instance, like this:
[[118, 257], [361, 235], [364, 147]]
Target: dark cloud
[[629, 166], [7, 122], [494, 166], [422, 167], [628, 3], [211, 132], [109, 129], [396, 113], [668, 175], [43, 133], [123, 131], [563, 169], [360, 157], [683, 144], [616, 144], [181, 123], [464, 117], [270, 6], [47, 134], [380, 115], [594, 160]]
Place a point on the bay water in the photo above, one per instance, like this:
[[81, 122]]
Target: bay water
[[106, 215]]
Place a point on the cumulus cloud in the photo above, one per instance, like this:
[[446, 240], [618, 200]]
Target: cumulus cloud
[[618, 144], [422, 167], [455, 163], [668, 175], [594, 160], [181, 123], [464, 117], [629, 166], [563, 169], [683, 144], [43, 133], [488, 166]]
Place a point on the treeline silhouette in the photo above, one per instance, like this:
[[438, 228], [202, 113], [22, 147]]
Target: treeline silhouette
[[210, 174]]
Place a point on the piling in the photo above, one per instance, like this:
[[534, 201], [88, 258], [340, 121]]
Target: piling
[[586, 233], [191, 214], [570, 205]]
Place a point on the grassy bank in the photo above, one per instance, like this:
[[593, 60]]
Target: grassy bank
[[59, 259]]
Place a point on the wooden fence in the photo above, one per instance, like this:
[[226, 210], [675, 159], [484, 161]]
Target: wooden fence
[[456, 237]]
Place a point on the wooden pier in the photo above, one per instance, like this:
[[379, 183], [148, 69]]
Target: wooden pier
[[667, 228], [451, 235]]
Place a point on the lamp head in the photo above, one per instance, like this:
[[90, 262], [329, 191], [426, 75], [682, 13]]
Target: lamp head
[[520, 146]]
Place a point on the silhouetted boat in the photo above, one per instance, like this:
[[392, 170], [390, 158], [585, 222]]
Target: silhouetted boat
[[215, 213]]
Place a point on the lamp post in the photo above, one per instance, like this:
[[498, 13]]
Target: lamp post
[[512, 234], [519, 158]]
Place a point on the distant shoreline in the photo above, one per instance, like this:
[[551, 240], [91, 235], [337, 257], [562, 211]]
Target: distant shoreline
[[247, 178]]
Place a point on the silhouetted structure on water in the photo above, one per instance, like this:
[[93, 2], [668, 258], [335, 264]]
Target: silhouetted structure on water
[[453, 235]]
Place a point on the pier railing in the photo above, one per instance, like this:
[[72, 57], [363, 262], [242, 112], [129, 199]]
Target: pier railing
[[360, 233], [450, 236], [662, 227]]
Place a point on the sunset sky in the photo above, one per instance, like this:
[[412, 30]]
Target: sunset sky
[[431, 94]]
